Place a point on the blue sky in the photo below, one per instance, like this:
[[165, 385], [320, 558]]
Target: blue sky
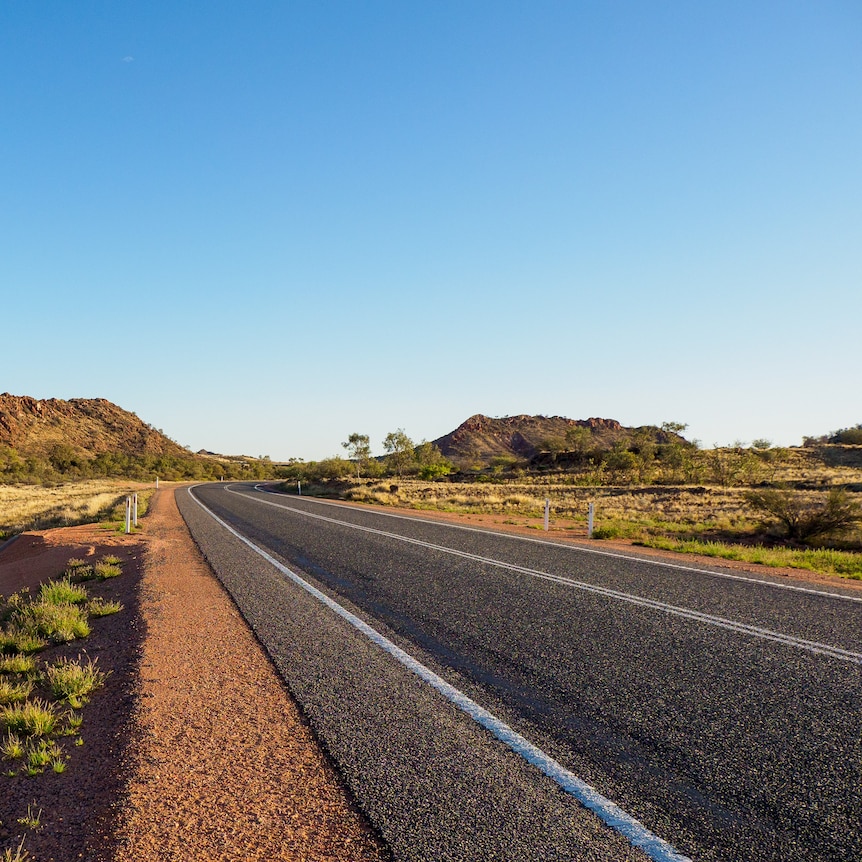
[[263, 226]]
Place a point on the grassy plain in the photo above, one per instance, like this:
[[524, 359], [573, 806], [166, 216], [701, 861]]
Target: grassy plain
[[36, 507], [710, 521]]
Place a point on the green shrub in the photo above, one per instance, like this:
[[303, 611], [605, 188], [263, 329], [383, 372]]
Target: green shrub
[[802, 522]]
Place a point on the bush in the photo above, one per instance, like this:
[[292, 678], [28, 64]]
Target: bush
[[848, 436], [800, 522]]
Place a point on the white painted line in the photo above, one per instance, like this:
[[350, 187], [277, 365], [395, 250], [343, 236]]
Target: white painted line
[[608, 812], [641, 601], [576, 549]]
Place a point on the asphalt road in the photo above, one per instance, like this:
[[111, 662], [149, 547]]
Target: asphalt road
[[724, 714]]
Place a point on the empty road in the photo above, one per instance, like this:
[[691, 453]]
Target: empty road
[[701, 715]]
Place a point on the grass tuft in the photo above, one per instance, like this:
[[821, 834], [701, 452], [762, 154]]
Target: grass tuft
[[72, 680], [104, 570], [59, 623], [17, 663], [12, 746], [17, 854], [844, 563], [98, 607], [14, 692], [61, 592], [18, 640], [31, 820], [31, 718]]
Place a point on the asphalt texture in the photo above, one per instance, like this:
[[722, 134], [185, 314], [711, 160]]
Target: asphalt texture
[[725, 743]]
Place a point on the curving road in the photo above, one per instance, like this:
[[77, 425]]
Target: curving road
[[722, 715]]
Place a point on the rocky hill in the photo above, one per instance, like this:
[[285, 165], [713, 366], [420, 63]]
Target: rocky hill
[[482, 437], [86, 426]]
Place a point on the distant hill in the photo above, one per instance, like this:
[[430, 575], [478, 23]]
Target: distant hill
[[482, 438], [86, 427]]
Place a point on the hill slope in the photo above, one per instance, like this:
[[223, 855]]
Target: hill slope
[[81, 426], [482, 437]]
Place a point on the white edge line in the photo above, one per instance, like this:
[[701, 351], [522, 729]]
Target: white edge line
[[607, 811], [574, 548]]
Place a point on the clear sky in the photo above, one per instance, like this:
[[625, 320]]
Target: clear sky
[[263, 226]]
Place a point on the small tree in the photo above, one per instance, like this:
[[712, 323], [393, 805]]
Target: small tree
[[359, 448], [400, 448], [432, 463], [579, 440]]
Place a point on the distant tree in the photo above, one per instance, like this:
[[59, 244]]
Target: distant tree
[[400, 448], [673, 427], [432, 463], [644, 449], [554, 445], [579, 440], [359, 449], [761, 443], [620, 462]]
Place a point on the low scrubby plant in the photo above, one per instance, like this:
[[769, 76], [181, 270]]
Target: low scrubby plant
[[14, 692], [31, 718], [62, 592], [72, 680], [98, 607], [803, 521], [58, 623], [20, 640], [17, 663], [104, 570], [12, 746]]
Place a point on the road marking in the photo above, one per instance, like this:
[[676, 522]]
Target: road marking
[[575, 548], [641, 601], [608, 812]]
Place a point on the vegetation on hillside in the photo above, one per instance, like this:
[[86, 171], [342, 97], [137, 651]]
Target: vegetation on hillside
[[63, 465]]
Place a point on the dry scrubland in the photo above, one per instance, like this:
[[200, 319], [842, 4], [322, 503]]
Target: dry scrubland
[[706, 519], [33, 507]]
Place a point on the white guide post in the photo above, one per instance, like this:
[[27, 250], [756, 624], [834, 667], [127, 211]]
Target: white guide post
[[135, 510], [299, 487], [591, 514], [157, 481], [547, 513], [128, 514]]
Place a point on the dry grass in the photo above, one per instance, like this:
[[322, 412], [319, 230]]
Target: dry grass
[[695, 519], [33, 507]]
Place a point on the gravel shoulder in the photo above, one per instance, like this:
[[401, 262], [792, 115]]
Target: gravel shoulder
[[197, 751]]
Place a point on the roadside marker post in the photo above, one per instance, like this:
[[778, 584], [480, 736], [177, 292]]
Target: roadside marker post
[[135, 509], [299, 487], [547, 513], [128, 514], [591, 513], [157, 482]]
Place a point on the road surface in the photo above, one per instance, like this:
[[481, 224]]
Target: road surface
[[721, 716]]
